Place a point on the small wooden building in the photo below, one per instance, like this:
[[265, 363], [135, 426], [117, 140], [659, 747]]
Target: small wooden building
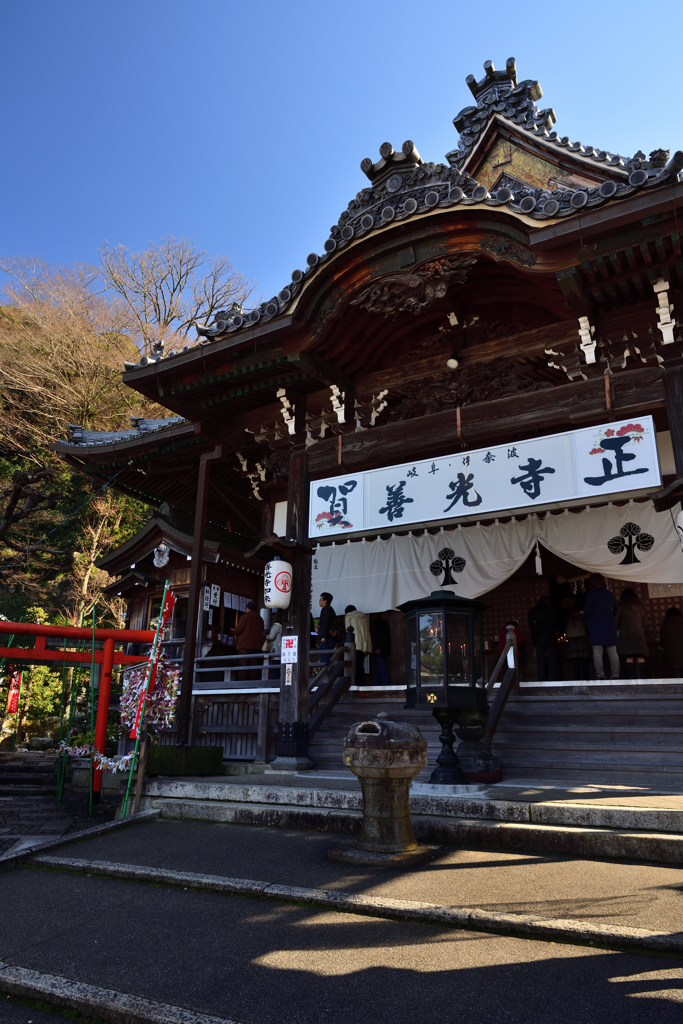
[[483, 364]]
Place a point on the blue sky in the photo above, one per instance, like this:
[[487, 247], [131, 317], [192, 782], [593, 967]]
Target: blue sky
[[242, 125]]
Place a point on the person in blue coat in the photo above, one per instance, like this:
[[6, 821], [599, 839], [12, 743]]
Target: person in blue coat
[[599, 612]]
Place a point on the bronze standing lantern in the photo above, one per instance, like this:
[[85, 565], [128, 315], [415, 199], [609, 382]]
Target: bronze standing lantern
[[445, 671]]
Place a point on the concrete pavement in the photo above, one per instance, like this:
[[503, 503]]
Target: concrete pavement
[[261, 963], [605, 892]]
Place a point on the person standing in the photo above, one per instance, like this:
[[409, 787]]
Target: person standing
[[274, 637], [380, 634], [631, 640], [327, 627], [671, 639], [503, 635], [544, 636], [599, 611], [273, 645], [249, 635], [578, 648], [358, 621]]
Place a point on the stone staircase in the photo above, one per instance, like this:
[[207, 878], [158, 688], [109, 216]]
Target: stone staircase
[[28, 774], [620, 734], [596, 822]]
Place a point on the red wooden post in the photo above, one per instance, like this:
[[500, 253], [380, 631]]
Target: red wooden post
[[103, 711]]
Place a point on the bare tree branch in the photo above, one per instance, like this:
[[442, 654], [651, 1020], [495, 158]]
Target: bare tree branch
[[62, 346], [168, 287]]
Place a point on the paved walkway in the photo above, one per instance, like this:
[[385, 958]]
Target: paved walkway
[[25, 820], [604, 892], [267, 963]]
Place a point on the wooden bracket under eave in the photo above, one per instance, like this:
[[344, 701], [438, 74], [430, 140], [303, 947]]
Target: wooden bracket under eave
[[669, 496], [273, 541]]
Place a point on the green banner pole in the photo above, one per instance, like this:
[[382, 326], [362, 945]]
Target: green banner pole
[[16, 723], [92, 711], [73, 695], [61, 731], [152, 658]]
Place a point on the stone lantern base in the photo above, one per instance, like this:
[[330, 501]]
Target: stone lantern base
[[404, 859], [385, 756]]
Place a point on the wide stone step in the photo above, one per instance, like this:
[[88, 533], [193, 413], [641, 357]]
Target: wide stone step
[[558, 828], [22, 789], [486, 804]]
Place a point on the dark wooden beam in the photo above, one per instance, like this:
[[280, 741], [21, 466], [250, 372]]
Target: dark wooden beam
[[635, 392], [193, 611], [252, 389], [318, 368], [673, 392], [235, 508], [292, 737]]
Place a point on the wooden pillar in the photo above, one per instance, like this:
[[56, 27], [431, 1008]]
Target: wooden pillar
[[292, 730], [673, 396], [185, 695]]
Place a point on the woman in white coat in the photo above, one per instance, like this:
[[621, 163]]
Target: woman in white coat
[[361, 633]]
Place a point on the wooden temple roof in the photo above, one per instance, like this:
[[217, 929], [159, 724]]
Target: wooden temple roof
[[481, 265]]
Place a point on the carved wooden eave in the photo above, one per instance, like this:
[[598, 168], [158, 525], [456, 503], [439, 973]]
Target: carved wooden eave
[[408, 195]]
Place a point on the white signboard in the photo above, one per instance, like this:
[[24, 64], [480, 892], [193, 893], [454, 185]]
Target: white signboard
[[215, 596], [290, 650], [590, 463], [207, 599]]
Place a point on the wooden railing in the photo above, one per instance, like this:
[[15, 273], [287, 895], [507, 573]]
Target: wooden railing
[[226, 672], [508, 660], [236, 697], [330, 684]]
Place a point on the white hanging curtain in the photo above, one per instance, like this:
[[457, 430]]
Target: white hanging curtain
[[632, 543]]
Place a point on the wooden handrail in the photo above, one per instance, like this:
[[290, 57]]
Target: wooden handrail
[[337, 655], [499, 664], [333, 671], [507, 682], [341, 678]]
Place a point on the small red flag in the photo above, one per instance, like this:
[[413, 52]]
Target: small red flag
[[13, 695]]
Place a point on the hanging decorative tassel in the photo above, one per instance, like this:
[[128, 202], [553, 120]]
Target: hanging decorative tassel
[[537, 561]]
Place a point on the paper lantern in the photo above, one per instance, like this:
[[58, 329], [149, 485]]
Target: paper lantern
[[277, 584]]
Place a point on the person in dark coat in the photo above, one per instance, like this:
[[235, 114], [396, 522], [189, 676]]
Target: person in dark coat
[[380, 634], [578, 648], [249, 633], [503, 635], [327, 627], [631, 642], [544, 637], [599, 611], [671, 638]]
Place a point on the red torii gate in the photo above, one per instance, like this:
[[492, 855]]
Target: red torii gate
[[107, 658]]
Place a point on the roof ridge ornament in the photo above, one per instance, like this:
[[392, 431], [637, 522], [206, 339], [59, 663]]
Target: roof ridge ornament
[[390, 161], [403, 186], [499, 93]]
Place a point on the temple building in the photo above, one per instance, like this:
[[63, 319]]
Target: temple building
[[475, 387]]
